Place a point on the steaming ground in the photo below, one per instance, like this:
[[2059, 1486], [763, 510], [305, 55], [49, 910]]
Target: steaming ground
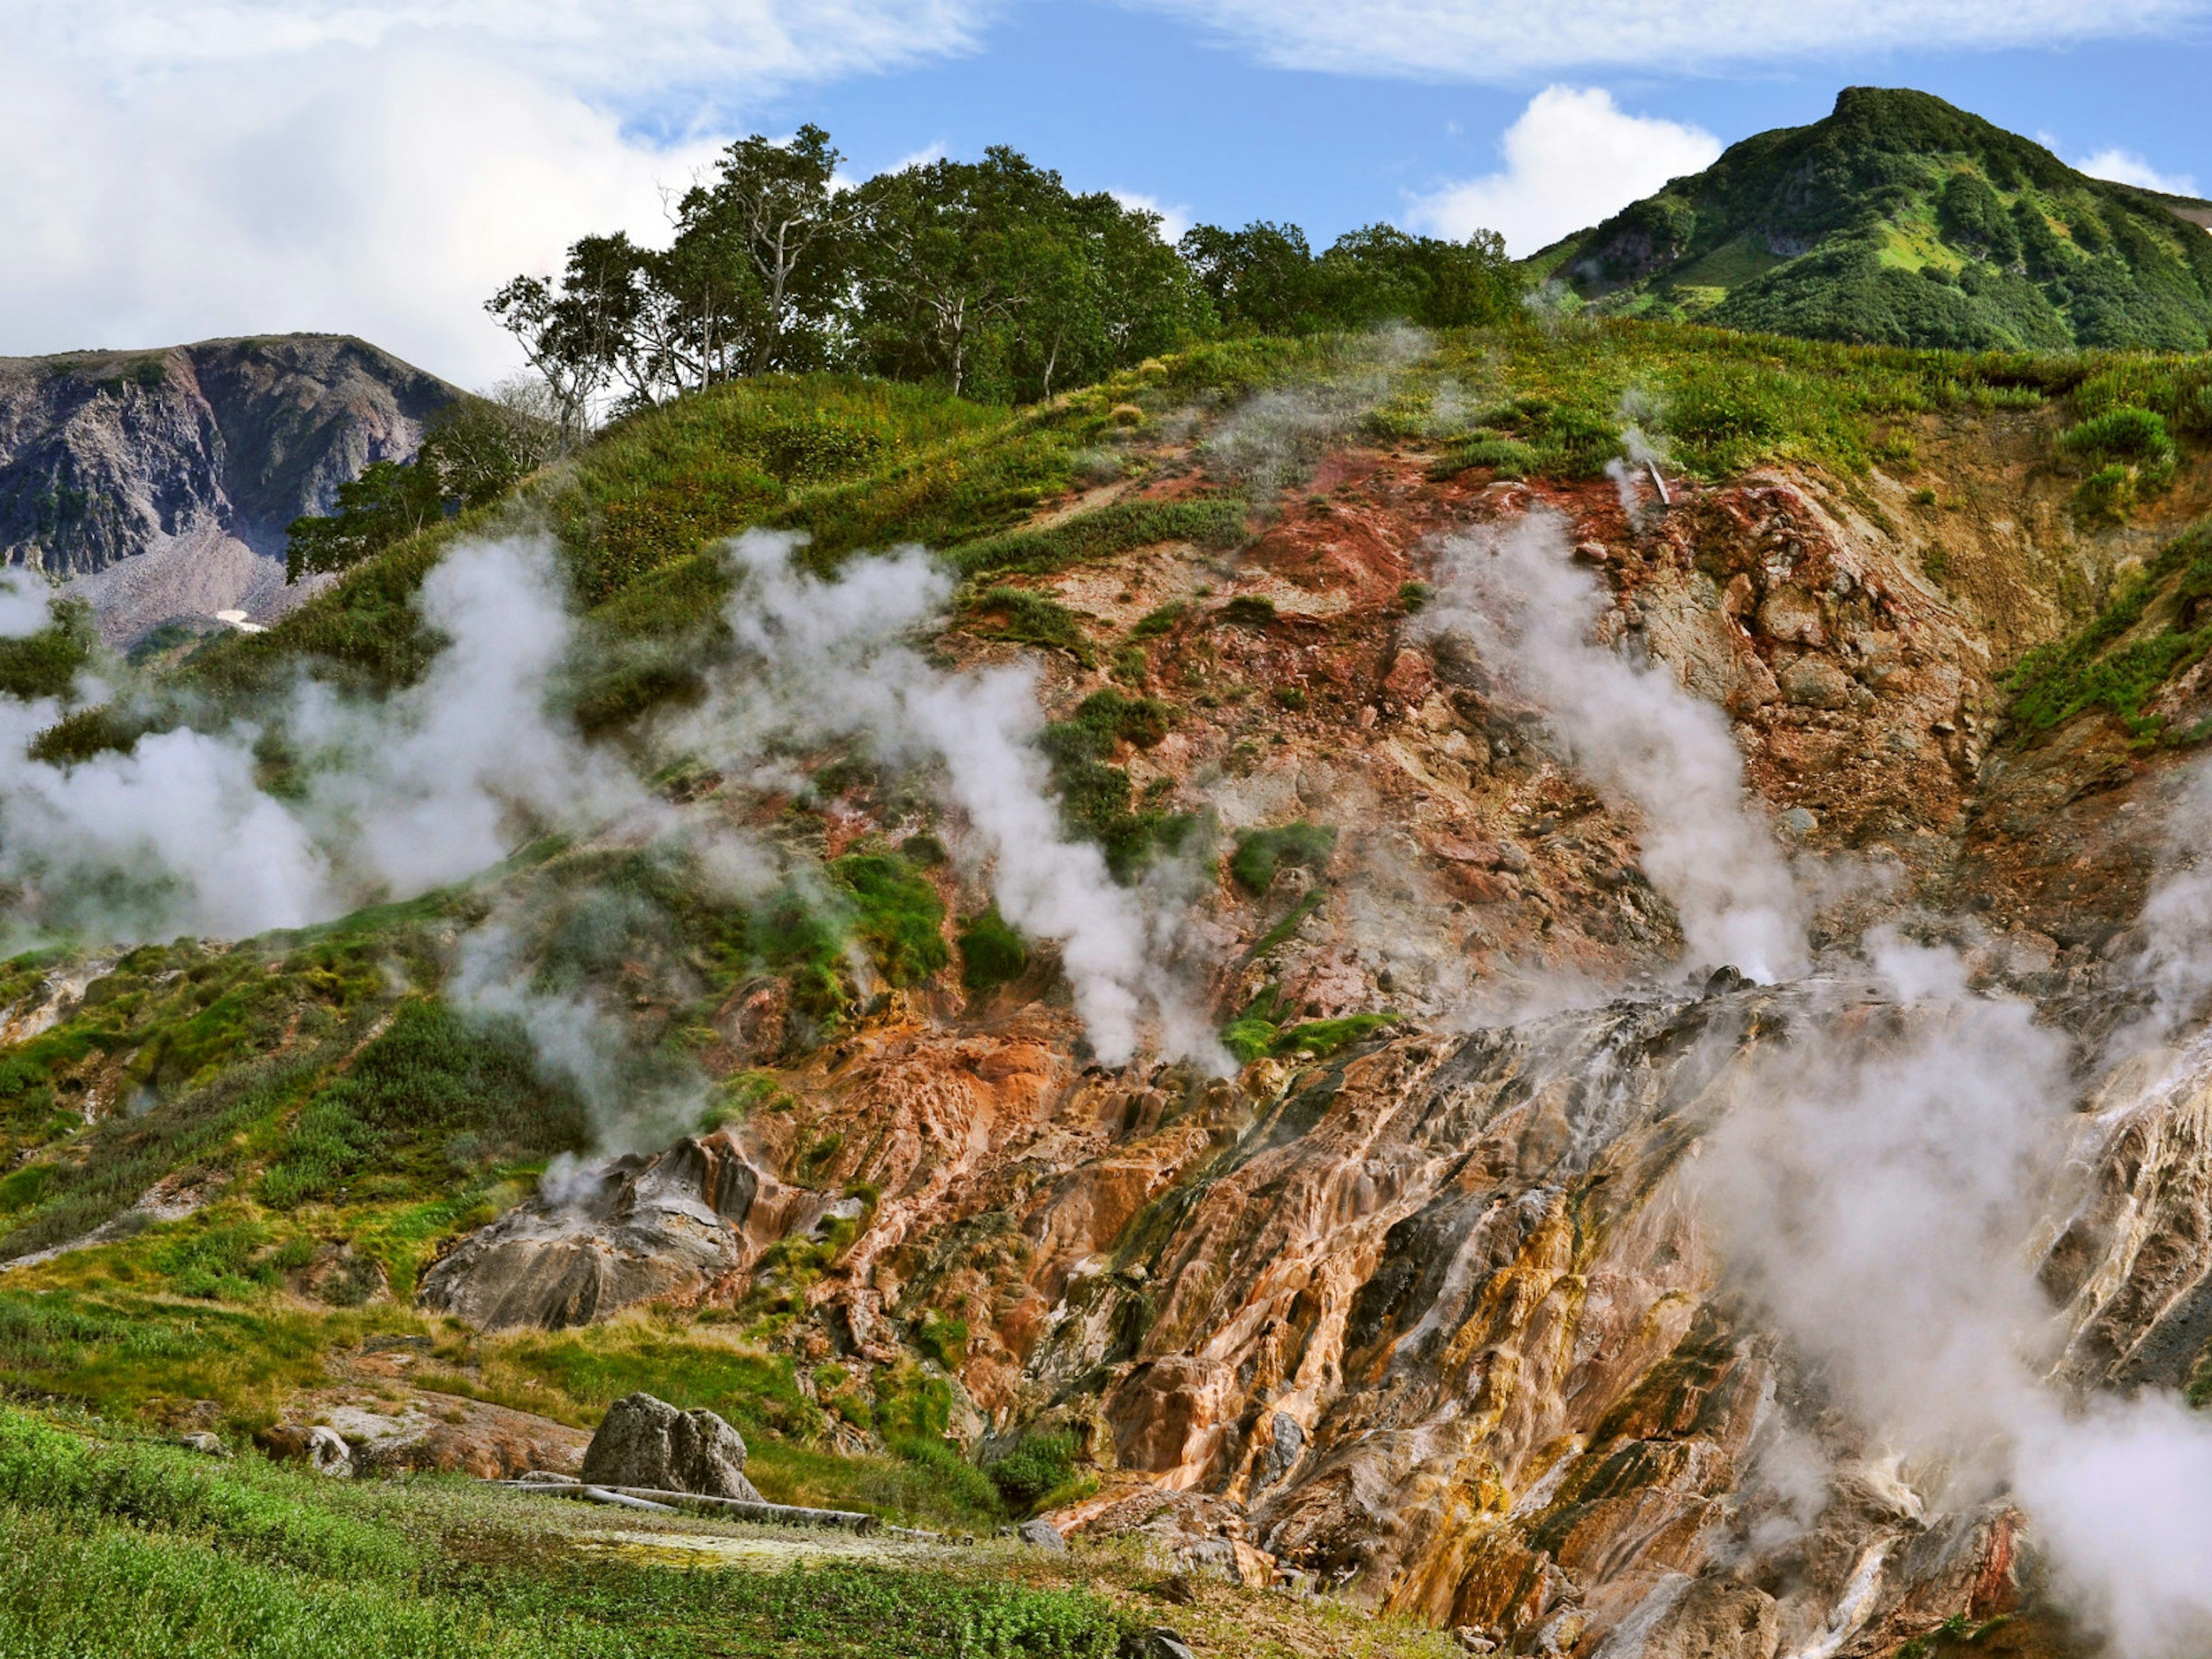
[[1878, 1191], [440, 781], [822, 661], [1513, 591], [1877, 1194]]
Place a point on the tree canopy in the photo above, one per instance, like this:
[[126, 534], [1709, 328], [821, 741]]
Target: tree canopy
[[991, 277]]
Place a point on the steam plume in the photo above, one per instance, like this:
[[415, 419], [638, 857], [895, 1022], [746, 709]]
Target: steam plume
[[826, 660], [23, 605], [177, 835], [1875, 1192], [1638, 736]]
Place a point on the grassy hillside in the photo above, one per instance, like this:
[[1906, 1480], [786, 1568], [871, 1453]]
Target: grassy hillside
[[856, 464], [337, 1122], [1900, 220]]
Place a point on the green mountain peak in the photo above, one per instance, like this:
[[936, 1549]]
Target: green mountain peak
[[1902, 220]]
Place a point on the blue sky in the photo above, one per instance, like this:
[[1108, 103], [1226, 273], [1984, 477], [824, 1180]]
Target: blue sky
[[178, 169]]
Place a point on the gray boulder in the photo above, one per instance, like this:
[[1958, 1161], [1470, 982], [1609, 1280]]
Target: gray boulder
[[1158, 1643], [645, 1442], [1044, 1535]]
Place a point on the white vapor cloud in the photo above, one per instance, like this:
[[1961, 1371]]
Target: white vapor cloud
[[26, 606], [1506, 40], [426, 788], [1572, 159], [1513, 591], [826, 660], [262, 166], [2125, 166], [1874, 1189]]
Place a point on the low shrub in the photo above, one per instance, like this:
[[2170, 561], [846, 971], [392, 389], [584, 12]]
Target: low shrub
[[1261, 852]]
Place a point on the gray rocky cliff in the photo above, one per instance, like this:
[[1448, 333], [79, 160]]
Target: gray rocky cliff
[[159, 484]]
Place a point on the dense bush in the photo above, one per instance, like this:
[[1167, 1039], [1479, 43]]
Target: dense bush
[[992, 953], [1261, 852]]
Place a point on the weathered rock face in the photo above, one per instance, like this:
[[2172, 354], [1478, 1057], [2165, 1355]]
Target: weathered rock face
[[163, 480], [645, 1442]]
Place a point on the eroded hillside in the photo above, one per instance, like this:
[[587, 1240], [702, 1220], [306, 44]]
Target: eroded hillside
[[1248, 1000]]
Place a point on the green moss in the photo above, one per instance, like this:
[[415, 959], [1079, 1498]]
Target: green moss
[[942, 1338], [1029, 618], [1155, 623], [1039, 1465], [1248, 610]]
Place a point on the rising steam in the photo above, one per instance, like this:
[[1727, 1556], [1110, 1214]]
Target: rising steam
[[1875, 1192], [395, 798], [1514, 593], [829, 659]]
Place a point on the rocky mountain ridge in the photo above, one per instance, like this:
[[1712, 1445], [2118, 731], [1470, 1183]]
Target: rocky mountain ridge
[[159, 484]]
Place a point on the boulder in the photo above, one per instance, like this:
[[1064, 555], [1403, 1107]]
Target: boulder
[[322, 1448], [670, 1225], [201, 1441], [1043, 1535], [1815, 682], [1158, 1643], [645, 1442]]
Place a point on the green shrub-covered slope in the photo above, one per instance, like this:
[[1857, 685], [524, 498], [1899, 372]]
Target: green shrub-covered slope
[[1900, 220]]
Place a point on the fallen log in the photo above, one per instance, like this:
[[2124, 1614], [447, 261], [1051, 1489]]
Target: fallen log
[[736, 1508], [620, 1499]]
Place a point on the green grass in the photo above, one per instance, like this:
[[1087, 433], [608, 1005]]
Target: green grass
[[127, 1549], [1262, 1030], [1095, 794], [1104, 532], [2116, 663], [992, 953], [1029, 618], [430, 1078]]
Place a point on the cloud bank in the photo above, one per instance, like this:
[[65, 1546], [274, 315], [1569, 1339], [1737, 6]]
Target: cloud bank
[[260, 166], [1572, 159]]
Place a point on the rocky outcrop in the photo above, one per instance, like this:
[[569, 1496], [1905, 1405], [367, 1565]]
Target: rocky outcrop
[[674, 1225], [161, 483], [646, 1442]]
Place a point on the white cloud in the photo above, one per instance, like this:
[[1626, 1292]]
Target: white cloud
[[1510, 39], [262, 166], [2124, 167], [1572, 159], [1173, 221]]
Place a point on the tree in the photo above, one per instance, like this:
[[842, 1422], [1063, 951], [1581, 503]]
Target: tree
[[584, 333], [1266, 279], [1260, 279], [481, 447], [954, 251], [758, 256], [390, 502]]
